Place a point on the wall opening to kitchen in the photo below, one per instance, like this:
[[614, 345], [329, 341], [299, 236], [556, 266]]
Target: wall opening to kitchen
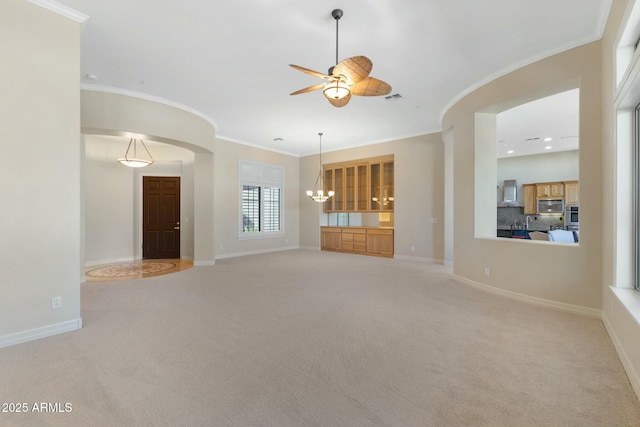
[[524, 149]]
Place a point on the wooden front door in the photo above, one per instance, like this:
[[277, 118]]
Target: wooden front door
[[161, 217]]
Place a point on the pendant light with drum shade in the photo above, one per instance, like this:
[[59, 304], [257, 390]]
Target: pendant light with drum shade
[[319, 193], [135, 161]]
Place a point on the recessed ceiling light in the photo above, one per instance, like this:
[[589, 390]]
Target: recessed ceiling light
[[91, 76], [547, 139], [510, 152], [548, 147]]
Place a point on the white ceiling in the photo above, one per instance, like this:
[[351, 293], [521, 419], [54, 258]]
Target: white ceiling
[[228, 60], [546, 125]]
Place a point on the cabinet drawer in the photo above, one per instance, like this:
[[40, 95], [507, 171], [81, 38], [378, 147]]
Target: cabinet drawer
[[380, 232], [360, 247]]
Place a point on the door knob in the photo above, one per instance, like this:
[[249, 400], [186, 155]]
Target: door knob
[[176, 228]]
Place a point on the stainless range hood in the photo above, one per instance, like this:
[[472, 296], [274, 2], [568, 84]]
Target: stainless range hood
[[510, 194]]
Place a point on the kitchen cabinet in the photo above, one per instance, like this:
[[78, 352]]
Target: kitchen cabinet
[[572, 193], [374, 241], [364, 185], [550, 190], [530, 199]]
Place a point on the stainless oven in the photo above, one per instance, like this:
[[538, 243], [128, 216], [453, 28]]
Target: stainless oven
[[572, 216]]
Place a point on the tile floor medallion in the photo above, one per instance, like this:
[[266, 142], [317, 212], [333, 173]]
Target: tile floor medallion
[[135, 270]]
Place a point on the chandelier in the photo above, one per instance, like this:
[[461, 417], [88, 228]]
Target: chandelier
[[135, 162], [318, 193]]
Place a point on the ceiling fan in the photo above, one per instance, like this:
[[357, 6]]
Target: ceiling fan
[[346, 78]]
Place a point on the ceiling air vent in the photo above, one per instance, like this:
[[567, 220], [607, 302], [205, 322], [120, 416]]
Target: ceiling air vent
[[393, 97]]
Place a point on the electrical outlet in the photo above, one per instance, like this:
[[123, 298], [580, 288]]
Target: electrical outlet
[[56, 302], [413, 248], [487, 271], [434, 220]]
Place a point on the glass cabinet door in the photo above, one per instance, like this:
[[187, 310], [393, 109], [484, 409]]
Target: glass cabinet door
[[387, 186], [374, 177], [338, 187], [328, 183], [350, 188], [361, 190]]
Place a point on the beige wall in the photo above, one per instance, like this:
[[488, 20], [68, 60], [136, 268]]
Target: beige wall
[[419, 194], [226, 211], [567, 275], [40, 116]]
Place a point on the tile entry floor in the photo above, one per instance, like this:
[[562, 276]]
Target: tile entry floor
[[135, 269]]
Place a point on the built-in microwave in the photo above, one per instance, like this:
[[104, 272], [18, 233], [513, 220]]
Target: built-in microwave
[[551, 206], [572, 215]]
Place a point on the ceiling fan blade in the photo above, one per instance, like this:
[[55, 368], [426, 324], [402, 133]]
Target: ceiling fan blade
[[370, 87], [356, 68], [341, 102], [311, 72], [309, 89]]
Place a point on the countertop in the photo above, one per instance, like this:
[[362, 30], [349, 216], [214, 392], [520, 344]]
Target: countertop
[[360, 226], [508, 227]]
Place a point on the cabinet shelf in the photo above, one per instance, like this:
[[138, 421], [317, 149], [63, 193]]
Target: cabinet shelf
[[364, 185]]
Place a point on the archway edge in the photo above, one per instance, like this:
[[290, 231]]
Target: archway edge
[[116, 114], [127, 115]]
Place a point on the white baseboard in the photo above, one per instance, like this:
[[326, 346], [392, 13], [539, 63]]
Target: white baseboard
[[258, 252], [42, 332], [561, 306], [204, 263], [632, 374], [418, 259]]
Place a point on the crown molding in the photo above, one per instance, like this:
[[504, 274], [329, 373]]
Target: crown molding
[[61, 9]]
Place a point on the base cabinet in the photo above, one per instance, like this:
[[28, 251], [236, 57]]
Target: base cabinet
[[360, 240], [332, 238]]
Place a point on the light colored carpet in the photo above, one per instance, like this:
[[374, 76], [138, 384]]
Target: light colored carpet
[[304, 338]]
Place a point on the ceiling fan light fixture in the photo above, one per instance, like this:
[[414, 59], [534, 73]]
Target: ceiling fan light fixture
[[336, 90]]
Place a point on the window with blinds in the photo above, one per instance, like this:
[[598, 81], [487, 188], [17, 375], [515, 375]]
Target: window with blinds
[[250, 209], [271, 209], [261, 188]]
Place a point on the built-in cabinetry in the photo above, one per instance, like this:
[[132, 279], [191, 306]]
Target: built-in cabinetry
[[376, 241], [365, 185], [529, 194], [549, 190], [569, 191]]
